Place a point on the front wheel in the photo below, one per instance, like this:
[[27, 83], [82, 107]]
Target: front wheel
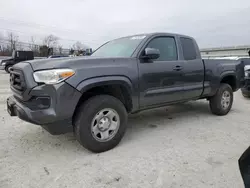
[[221, 102], [8, 68], [100, 123]]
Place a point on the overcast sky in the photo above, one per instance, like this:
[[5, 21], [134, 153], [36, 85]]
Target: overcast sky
[[213, 23]]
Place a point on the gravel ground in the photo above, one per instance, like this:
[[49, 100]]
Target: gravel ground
[[177, 146]]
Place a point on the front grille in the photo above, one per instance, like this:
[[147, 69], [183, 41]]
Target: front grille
[[17, 80]]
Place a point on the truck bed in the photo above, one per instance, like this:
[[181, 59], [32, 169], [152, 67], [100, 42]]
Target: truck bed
[[215, 69]]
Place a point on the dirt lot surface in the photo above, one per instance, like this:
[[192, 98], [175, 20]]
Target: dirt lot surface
[[178, 146]]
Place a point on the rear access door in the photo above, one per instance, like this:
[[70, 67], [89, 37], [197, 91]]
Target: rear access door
[[193, 69]]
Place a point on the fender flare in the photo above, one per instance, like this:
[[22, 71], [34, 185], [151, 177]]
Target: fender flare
[[90, 83], [227, 73], [104, 80], [233, 74]]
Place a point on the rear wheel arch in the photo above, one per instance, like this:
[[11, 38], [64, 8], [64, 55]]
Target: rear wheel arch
[[230, 79]]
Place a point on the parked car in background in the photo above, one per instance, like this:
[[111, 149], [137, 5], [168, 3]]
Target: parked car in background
[[93, 95], [17, 56], [246, 88]]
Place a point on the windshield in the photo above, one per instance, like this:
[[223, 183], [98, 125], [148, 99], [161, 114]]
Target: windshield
[[123, 47]]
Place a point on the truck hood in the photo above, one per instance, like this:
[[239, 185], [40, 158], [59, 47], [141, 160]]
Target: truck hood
[[73, 62], [6, 60]]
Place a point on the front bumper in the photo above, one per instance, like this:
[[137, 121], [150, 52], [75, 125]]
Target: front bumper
[[2, 67], [51, 106]]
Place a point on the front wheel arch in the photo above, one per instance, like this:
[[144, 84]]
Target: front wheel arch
[[126, 89], [7, 68]]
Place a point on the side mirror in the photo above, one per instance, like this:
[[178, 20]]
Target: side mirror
[[151, 53]]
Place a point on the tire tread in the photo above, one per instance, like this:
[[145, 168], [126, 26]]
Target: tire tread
[[82, 121], [215, 101]]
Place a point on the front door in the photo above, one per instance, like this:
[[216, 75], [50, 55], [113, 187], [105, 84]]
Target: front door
[[161, 79]]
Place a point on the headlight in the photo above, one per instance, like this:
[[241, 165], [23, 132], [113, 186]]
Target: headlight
[[247, 70], [3, 64], [52, 76], [247, 67]]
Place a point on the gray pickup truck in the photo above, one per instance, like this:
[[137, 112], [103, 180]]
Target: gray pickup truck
[[93, 95]]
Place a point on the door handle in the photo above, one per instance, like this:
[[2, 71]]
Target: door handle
[[177, 68]]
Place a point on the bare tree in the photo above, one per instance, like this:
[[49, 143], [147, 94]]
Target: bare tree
[[33, 46], [1, 41], [4, 46], [50, 41], [78, 46], [13, 40], [32, 43], [19, 46], [60, 48], [1, 36]]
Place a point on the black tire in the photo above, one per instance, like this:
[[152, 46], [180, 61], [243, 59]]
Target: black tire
[[7, 68], [246, 95], [84, 116], [215, 102]]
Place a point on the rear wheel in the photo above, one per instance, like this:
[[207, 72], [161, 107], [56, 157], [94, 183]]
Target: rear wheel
[[100, 123], [221, 102], [8, 68]]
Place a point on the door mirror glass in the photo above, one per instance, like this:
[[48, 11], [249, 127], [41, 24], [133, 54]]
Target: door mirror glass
[[151, 53], [166, 46]]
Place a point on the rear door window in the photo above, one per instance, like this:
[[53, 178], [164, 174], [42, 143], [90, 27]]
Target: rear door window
[[188, 47]]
